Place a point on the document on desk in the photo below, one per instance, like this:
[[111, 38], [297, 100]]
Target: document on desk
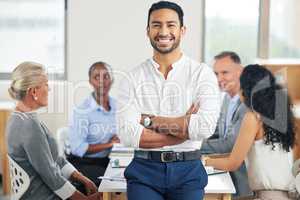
[[120, 148], [212, 171], [115, 177]]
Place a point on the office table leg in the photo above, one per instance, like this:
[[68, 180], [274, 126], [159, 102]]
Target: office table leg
[[4, 114], [107, 196], [226, 197]]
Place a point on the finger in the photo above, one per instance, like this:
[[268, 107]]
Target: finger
[[116, 137], [94, 190], [88, 192], [94, 187]]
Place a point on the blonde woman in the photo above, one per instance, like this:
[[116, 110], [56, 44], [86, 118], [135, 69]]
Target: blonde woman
[[31, 144]]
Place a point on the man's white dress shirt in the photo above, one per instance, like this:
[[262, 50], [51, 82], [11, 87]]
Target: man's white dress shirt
[[144, 90]]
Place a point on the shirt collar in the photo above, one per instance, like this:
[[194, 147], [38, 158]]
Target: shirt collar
[[95, 106], [174, 65], [234, 99]]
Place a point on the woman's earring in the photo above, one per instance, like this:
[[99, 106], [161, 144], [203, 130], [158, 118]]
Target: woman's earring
[[35, 98]]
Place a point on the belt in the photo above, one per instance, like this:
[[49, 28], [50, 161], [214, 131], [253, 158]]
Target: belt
[[168, 156], [87, 160]]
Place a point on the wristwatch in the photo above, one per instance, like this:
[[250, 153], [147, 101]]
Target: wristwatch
[[147, 122]]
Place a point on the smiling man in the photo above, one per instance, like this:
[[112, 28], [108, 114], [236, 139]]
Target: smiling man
[[167, 106]]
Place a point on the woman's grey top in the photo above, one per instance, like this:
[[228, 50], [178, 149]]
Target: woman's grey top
[[33, 147]]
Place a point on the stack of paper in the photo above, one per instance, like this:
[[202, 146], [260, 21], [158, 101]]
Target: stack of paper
[[120, 150], [212, 171]]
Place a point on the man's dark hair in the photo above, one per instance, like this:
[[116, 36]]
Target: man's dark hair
[[232, 55], [168, 5]]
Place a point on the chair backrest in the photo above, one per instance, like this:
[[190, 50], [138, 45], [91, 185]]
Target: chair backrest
[[19, 179], [63, 141]]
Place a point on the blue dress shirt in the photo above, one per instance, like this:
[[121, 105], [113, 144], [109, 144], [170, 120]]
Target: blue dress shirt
[[232, 106], [92, 124]]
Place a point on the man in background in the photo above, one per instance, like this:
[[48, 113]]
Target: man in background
[[228, 68]]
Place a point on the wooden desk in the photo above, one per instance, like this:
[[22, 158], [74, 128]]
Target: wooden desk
[[5, 109], [219, 186]]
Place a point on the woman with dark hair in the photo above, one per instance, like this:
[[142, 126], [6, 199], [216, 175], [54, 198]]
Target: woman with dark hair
[[92, 130], [266, 136]]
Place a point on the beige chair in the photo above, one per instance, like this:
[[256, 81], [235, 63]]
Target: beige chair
[[19, 179], [63, 141]]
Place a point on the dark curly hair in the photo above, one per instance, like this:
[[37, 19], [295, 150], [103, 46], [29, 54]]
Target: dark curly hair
[[271, 101]]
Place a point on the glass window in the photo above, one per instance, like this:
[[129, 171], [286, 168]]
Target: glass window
[[284, 40], [32, 30], [231, 25]]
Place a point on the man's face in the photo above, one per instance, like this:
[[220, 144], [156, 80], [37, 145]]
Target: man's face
[[228, 74], [164, 30]]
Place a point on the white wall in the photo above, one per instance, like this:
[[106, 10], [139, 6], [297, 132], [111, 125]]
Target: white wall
[[115, 31], [112, 31]]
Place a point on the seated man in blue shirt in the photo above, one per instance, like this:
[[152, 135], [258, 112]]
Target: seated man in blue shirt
[[93, 125]]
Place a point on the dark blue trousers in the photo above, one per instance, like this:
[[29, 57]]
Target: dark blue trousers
[[150, 180]]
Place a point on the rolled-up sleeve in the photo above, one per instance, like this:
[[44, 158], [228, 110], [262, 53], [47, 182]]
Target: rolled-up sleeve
[[128, 115], [207, 94], [39, 155], [65, 192], [67, 170], [78, 132]]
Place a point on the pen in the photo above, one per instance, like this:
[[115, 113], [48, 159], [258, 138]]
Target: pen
[[112, 178], [216, 173]]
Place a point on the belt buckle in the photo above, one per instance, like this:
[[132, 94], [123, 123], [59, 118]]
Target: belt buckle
[[167, 156]]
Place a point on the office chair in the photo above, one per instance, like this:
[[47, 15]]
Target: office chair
[[63, 141], [19, 179]]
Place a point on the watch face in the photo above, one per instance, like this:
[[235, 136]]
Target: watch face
[[147, 121]]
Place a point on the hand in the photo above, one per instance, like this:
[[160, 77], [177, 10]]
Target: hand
[[204, 160], [193, 109], [79, 196], [90, 186], [96, 196], [114, 139]]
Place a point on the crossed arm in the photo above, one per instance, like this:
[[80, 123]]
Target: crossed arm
[[165, 131], [175, 126], [152, 139]]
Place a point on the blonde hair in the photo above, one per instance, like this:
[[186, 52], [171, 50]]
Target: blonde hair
[[26, 75]]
